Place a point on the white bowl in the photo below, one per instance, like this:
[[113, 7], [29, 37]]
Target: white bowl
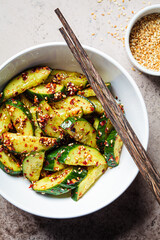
[[139, 15], [115, 181]]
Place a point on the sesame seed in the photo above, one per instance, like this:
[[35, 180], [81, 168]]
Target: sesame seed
[[144, 41]]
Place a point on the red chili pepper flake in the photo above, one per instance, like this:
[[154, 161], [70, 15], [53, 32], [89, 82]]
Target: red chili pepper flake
[[72, 101], [10, 126], [54, 128], [24, 76], [35, 148], [103, 123], [25, 145], [97, 164], [35, 99], [93, 131], [92, 108], [87, 133], [106, 143], [31, 185], [85, 163]]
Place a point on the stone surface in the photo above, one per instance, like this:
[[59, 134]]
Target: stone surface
[[136, 214]]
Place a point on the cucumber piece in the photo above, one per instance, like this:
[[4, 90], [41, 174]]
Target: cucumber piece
[[81, 130], [27, 79], [79, 155], [98, 106], [50, 92], [51, 163], [25, 101], [50, 120], [89, 92], [61, 182], [21, 117], [112, 150], [104, 128], [32, 166], [65, 77], [5, 120], [75, 101], [93, 174], [8, 163], [37, 130], [96, 123], [19, 144]]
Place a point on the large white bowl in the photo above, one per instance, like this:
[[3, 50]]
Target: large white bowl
[[115, 181]]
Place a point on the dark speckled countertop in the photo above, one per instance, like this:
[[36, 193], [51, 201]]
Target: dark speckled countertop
[[134, 215]]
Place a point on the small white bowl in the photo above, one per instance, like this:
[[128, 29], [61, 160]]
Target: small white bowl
[[139, 15], [115, 181]]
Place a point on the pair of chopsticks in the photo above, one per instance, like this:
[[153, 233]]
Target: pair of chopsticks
[[112, 109]]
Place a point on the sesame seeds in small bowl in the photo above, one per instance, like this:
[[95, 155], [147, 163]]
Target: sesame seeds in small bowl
[[142, 40]]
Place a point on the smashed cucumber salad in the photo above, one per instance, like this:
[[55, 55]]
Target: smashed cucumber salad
[[54, 132]]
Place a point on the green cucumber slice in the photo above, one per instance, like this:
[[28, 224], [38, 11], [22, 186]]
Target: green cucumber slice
[[32, 166], [93, 174], [19, 144], [21, 117], [50, 92], [112, 150], [37, 130], [65, 77], [8, 163], [104, 128], [89, 92], [27, 79], [98, 106], [50, 120], [75, 101], [81, 130], [79, 155], [52, 163], [61, 182], [5, 120]]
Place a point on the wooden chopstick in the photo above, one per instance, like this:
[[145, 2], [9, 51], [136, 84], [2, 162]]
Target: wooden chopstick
[[112, 109]]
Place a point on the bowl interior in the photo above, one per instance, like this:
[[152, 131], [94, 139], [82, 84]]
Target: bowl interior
[[115, 181], [146, 11]]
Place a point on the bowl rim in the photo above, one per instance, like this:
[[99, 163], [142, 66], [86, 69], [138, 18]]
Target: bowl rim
[[136, 17], [146, 122]]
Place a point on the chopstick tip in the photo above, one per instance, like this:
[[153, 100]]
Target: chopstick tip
[[56, 10]]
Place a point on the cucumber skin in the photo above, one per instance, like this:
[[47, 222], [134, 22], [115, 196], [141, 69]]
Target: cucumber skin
[[57, 154], [109, 150], [22, 107], [71, 121], [65, 187], [41, 97], [101, 129], [9, 171]]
